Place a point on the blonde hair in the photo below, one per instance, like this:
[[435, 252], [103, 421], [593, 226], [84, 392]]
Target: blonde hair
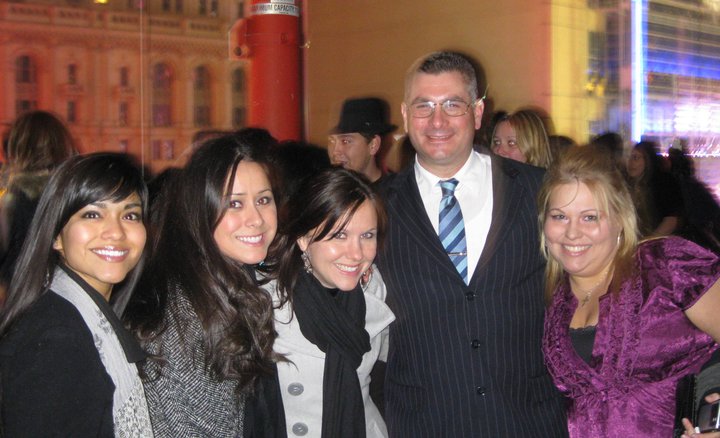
[[531, 136], [582, 164]]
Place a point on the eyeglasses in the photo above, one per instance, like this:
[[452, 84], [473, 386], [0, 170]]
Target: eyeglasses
[[451, 107]]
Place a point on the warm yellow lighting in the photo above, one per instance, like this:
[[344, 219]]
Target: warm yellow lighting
[[101, 2]]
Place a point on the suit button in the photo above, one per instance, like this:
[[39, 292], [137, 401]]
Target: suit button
[[300, 429], [480, 390], [475, 343], [470, 296], [295, 388]]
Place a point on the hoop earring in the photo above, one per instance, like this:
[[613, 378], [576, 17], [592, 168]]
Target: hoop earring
[[306, 262]]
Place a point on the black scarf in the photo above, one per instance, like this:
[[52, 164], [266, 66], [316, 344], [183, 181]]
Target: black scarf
[[336, 324]]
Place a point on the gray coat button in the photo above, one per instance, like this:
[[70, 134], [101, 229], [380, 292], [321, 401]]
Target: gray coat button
[[295, 388], [300, 429]]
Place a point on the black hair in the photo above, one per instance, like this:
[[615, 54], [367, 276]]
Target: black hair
[[324, 203], [235, 314], [80, 181]]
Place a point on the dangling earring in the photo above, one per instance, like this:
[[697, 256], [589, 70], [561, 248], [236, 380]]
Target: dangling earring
[[618, 241], [306, 262], [365, 278]]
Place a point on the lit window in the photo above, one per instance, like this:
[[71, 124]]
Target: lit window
[[25, 71], [201, 95], [161, 95], [162, 149], [26, 87]]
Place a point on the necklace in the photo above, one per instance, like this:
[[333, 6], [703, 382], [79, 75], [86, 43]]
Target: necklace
[[589, 292]]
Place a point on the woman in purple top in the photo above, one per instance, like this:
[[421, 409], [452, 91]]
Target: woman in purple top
[[626, 320]]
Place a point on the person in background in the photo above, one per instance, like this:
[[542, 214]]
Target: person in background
[[521, 136], [559, 144], [626, 320], [67, 364], [357, 140], [612, 144], [331, 318], [38, 142], [701, 210], [656, 194], [199, 311], [298, 161], [464, 357]]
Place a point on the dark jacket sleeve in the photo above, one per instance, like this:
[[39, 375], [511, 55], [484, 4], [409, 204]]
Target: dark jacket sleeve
[[54, 384]]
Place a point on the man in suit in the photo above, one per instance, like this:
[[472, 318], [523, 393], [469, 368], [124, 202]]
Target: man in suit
[[465, 282]]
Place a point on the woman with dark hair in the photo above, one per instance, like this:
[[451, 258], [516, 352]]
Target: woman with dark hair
[[38, 142], [331, 320], [627, 320], [68, 366], [654, 191], [199, 311]]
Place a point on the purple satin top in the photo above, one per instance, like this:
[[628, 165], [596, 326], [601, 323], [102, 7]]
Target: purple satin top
[[643, 346]]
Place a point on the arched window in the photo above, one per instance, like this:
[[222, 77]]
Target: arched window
[[201, 96], [239, 98], [162, 79], [26, 88]]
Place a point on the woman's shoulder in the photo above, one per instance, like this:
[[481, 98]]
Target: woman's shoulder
[[50, 319], [672, 248]]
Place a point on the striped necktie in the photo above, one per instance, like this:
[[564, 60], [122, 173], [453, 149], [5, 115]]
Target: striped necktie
[[452, 227]]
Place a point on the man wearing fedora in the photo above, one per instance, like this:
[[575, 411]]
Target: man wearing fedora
[[355, 142]]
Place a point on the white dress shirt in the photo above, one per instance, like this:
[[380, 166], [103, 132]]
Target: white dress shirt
[[473, 193]]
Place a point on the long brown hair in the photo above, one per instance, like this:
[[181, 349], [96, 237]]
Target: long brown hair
[[234, 312], [38, 140]]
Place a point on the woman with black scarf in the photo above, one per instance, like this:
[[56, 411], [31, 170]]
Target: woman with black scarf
[[331, 318]]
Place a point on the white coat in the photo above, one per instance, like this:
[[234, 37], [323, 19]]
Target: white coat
[[301, 378]]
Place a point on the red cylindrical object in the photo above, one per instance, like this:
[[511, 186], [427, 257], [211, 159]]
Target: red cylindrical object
[[270, 39]]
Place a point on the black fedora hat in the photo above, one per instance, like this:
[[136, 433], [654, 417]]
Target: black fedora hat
[[366, 115]]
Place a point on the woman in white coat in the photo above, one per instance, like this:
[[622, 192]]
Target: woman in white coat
[[330, 317]]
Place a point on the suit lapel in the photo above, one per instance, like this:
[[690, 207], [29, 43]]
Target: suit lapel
[[407, 206], [506, 200]]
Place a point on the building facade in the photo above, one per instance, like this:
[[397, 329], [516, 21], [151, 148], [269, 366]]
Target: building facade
[[133, 76]]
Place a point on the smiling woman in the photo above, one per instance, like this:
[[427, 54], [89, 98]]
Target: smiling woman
[[626, 320], [68, 366], [330, 315], [198, 310]]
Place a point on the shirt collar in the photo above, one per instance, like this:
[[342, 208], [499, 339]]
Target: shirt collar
[[425, 178]]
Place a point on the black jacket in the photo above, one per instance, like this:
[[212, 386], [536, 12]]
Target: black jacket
[[53, 381]]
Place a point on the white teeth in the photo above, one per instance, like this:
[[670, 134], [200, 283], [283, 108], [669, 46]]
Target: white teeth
[[576, 248], [347, 268], [110, 252], [250, 239]]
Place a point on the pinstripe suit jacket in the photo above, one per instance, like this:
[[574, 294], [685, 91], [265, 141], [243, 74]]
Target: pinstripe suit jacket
[[465, 361]]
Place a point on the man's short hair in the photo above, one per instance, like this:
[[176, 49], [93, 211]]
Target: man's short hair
[[444, 62]]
